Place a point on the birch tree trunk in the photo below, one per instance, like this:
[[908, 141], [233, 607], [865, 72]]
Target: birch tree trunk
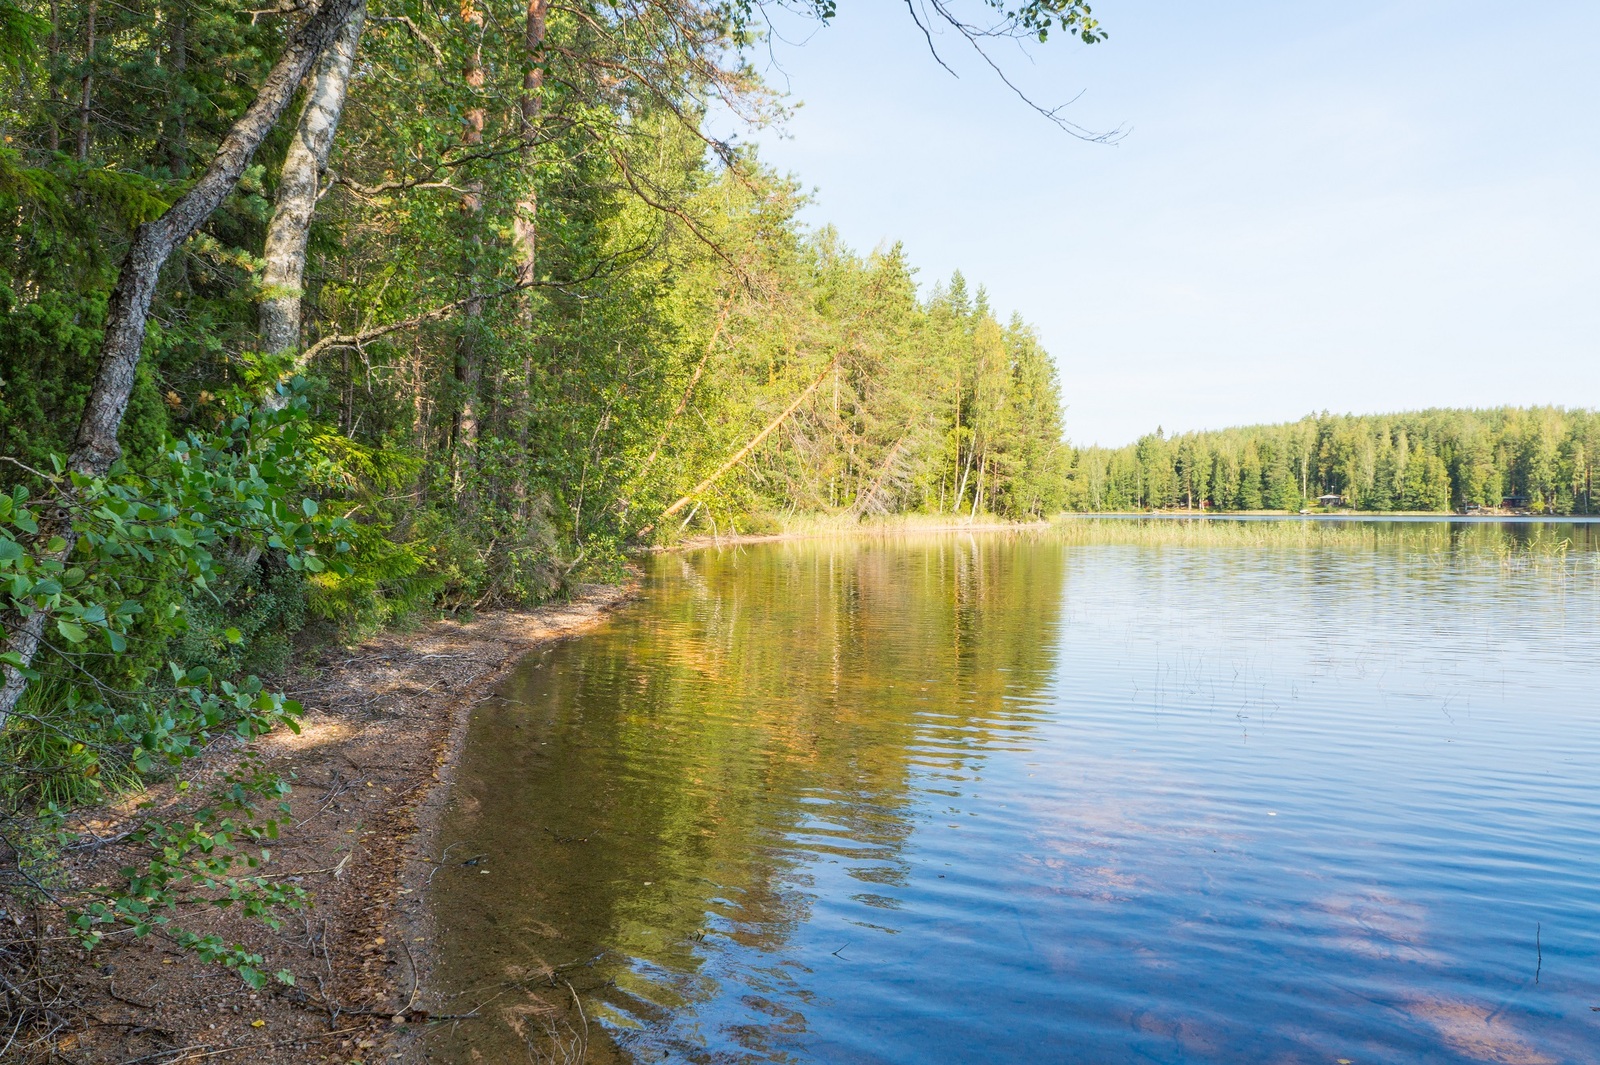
[[96, 447], [298, 186]]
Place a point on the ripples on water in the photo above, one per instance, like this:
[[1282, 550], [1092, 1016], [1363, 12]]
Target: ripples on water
[[1016, 799]]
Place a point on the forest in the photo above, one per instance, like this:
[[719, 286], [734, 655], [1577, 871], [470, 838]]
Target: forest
[[1534, 459], [533, 304], [320, 316]]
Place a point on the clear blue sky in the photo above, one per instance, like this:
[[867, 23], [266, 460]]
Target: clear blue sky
[[1364, 206]]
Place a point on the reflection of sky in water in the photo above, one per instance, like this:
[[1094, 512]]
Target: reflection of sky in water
[[1000, 800]]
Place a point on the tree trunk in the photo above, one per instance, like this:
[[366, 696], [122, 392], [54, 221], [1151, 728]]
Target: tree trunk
[[298, 185], [86, 84], [525, 235], [96, 447], [53, 138], [754, 442], [174, 130], [955, 471], [961, 489], [468, 369], [525, 231]]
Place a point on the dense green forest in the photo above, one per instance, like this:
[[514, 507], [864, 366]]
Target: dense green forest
[[525, 337], [319, 315], [1538, 459]]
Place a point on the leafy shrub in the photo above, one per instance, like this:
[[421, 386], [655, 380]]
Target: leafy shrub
[[128, 685]]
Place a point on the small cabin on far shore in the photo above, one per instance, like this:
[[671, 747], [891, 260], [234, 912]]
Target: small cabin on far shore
[[1515, 502], [1330, 500]]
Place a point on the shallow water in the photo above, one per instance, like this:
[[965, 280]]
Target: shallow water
[[1003, 798]]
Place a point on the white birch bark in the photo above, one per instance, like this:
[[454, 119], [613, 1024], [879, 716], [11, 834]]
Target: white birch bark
[[299, 184], [127, 313]]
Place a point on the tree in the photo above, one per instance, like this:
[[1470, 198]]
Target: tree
[[1372, 460], [300, 185], [95, 447], [1250, 496]]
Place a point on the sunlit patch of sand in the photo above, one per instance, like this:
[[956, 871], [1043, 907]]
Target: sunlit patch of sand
[[129, 804], [1473, 1030], [314, 732]]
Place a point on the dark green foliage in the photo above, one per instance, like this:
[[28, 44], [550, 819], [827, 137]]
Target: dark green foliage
[[1433, 460]]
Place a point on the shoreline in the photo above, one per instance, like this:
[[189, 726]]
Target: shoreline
[[1341, 515], [823, 532], [372, 767]]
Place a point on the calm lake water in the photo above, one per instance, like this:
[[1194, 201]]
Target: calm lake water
[[1035, 799]]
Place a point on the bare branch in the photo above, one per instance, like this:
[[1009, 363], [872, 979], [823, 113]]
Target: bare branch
[[439, 313], [975, 35], [416, 31]]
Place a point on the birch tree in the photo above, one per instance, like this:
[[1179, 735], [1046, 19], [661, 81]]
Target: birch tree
[[95, 447], [299, 188]]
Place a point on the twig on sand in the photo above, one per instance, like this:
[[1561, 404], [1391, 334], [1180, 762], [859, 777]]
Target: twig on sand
[[214, 1051]]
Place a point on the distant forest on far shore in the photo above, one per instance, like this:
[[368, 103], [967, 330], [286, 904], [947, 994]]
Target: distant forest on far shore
[[1537, 459]]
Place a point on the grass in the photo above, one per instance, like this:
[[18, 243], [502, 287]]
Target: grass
[[1520, 550], [820, 526]]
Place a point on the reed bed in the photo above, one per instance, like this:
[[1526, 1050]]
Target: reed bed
[[1560, 549], [1568, 548]]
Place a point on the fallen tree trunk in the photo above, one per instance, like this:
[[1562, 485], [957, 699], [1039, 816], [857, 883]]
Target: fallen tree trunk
[[755, 441]]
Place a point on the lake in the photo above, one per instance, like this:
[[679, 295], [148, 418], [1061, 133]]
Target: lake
[[1100, 794]]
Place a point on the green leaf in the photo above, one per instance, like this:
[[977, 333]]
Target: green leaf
[[71, 631], [10, 550], [309, 506], [233, 636]]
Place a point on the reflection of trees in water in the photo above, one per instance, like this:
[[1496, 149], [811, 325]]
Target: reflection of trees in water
[[762, 711], [673, 800]]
